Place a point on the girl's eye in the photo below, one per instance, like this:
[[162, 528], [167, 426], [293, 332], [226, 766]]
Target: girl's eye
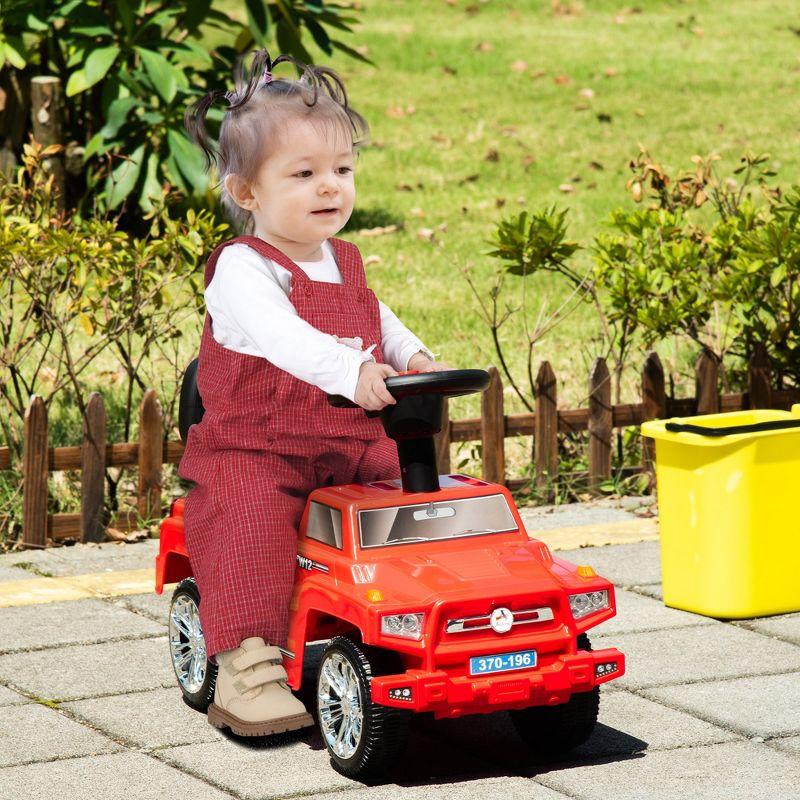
[[307, 172]]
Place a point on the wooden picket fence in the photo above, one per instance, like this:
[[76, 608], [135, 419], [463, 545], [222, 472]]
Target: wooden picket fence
[[492, 428]]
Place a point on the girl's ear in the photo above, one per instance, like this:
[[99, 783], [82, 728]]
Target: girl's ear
[[239, 191]]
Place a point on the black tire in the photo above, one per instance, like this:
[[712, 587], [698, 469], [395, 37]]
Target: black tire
[[555, 730], [200, 699], [384, 730]]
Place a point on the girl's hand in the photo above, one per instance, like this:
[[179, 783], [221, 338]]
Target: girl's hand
[[371, 392], [421, 363]]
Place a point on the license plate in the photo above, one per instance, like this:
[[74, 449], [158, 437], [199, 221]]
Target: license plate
[[502, 662]]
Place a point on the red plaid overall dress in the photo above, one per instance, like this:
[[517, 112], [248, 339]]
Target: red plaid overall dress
[[267, 439]]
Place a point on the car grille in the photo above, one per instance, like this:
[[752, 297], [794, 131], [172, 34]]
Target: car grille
[[523, 616]]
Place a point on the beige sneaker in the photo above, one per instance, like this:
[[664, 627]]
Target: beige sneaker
[[252, 697]]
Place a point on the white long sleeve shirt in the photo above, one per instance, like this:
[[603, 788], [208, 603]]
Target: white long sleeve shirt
[[248, 301]]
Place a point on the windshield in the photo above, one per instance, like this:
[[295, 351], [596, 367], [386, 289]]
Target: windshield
[[447, 519]]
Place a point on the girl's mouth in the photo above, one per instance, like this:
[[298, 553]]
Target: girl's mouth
[[325, 212]]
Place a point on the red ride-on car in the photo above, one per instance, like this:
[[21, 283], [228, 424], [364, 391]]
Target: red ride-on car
[[428, 595]]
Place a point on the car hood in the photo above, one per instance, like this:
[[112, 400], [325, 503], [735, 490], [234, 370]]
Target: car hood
[[509, 568]]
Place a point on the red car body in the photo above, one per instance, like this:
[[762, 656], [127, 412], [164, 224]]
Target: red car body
[[456, 582]]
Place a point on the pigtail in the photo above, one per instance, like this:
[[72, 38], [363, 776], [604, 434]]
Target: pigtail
[[194, 120]]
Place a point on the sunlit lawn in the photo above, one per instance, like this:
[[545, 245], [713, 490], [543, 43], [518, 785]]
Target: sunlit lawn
[[679, 77]]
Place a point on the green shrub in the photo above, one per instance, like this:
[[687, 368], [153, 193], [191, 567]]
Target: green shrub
[[131, 67]]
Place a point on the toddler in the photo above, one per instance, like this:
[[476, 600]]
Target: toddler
[[289, 319]]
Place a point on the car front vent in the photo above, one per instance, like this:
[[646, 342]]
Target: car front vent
[[525, 616]]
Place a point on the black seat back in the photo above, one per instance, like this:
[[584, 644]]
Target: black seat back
[[190, 409]]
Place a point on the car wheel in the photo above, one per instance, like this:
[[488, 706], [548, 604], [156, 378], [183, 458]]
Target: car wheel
[[364, 739], [196, 675], [558, 729]]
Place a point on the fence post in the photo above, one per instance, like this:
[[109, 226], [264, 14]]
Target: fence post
[[93, 467], [654, 406], [706, 377], [600, 425], [151, 446], [35, 470], [442, 440], [47, 114], [759, 378], [545, 441], [493, 429]]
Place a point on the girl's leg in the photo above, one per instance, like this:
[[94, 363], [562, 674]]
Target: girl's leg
[[378, 461], [244, 550]]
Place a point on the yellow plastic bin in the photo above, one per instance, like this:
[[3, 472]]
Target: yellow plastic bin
[[729, 512]]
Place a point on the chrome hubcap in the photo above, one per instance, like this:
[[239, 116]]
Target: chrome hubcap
[[187, 645], [339, 702]]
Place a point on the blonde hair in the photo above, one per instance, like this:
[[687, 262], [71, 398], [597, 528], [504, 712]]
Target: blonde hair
[[257, 116]]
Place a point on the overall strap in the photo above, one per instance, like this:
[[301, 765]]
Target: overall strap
[[350, 264]]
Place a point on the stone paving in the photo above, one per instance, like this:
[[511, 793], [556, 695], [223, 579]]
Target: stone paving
[[89, 706]]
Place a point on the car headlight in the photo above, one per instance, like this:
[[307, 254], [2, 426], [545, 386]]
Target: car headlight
[[409, 626], [588, 602]]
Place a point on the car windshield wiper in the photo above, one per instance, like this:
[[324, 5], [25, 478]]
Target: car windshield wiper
[[409, 539]]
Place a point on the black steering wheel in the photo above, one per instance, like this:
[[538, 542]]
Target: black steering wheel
[[449, 383]]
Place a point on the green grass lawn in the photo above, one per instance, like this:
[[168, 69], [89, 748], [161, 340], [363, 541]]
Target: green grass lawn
[[685, 78]]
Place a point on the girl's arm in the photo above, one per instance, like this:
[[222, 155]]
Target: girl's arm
[[251, 313], [399, 345]]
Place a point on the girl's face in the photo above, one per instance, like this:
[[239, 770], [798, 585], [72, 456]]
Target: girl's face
[[305, 191]]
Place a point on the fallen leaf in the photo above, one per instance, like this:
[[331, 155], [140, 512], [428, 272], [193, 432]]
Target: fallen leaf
[[562, 80], [591, 185], [697, 31], [362, 50], [596, 165], [373, 259], [449, 70], [499, 202], [47, 375], [464, 209], [566, 188], [538, 73], [587, 93], [492, 154], [581, 107], [396, 112], [442, 227], [603, 117], [484, 47], [404, 187], [528, 161], [522, 200], [134, 536], [441, 139], [611, 72], [519, 66], [416, 212], [469, 178], [426, 234], [639, 112], [379, 231]]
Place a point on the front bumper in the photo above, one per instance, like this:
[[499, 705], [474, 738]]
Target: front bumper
[[449, 696]]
